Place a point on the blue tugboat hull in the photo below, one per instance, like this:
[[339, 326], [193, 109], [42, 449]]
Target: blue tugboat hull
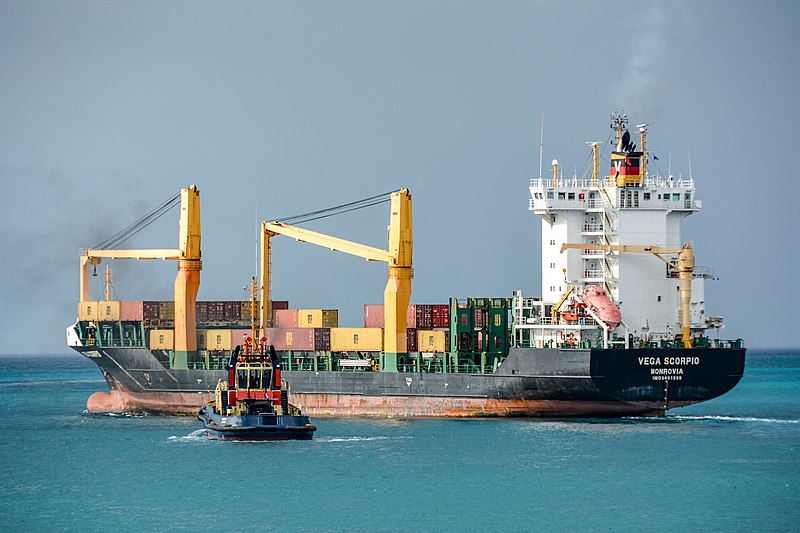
[[256, 427]]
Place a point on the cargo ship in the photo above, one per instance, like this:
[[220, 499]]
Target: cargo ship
[[620, 329]]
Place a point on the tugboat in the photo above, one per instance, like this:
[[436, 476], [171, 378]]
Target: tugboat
[[252, 404]]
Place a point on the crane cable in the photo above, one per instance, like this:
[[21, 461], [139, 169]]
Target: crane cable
[[338, 210], [126, 233]]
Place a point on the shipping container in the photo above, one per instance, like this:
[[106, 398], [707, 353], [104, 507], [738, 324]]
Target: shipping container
[[87, 311], [431, 341], [322, 339], [441, 316], [317, 318], [216, 311], [202, 336], [360, 339], [166, 310], [424, 316], [373, 316], [239, 335], [162, 339], [231, 311], [290, 338], [218, 339], [201, 311], [247, 310], [411, 339], [131, 311], [285, 318], [108, 310], [280, 304], [150, 310]]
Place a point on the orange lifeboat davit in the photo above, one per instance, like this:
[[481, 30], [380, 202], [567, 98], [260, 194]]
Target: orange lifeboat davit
[[600, 305]]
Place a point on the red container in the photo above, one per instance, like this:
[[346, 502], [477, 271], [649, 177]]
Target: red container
[[280, 305], [424, 316], [290, 338], [285, 318], [150, 310], [411, 339], [441, 316], [322, 339], [201, 311], [216, 311], [231, 311], [373, 316], [131, 311]]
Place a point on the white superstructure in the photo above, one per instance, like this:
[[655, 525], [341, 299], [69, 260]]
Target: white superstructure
[[631, 206]]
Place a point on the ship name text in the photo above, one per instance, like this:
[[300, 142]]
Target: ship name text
[[653, 361]]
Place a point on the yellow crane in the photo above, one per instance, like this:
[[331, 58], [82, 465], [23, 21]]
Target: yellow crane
[[684, 265], [397, 294], [187, 282], [557, 306]]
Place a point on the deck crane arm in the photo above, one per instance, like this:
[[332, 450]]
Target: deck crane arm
[[334, 243], [557, 306], [187, 282], [684, 265], [399, 257]]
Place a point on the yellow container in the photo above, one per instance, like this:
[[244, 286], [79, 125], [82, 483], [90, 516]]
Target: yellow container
[[431, 341], [356, 339], [218, 339], [202, 336], [108, 310], [317, 318], [162, 339], [87, 311]]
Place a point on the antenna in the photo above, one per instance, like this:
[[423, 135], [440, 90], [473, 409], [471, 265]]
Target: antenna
[[691, 176], [258, 228], [669, 169], [541, 146]]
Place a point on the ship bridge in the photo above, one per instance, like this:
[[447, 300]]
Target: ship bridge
[[629, 206]]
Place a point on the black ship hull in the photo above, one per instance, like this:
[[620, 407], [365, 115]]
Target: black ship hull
[[531, 382]]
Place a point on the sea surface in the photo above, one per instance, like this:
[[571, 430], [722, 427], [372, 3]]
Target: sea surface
[[731, 464]]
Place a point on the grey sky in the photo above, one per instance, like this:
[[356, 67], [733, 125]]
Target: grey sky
[[108, 108]]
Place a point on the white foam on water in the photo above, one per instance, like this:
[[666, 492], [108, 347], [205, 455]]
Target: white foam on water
[[198, 434], [734, 419], [356, 439]]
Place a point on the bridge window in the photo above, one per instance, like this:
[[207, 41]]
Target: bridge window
[[571, 196]]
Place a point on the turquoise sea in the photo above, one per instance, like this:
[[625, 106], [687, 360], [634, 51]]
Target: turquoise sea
[[731, 464]]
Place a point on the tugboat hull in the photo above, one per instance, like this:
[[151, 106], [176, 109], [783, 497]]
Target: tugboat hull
[[256, 427]]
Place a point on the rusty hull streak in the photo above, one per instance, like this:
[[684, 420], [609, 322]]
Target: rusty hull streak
[[123, 401], [341, 405]]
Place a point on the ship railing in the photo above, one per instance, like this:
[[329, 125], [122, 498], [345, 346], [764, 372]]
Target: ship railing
[[595, 228], [593, 274], [593, 252], [596, 203], [565, 183]]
